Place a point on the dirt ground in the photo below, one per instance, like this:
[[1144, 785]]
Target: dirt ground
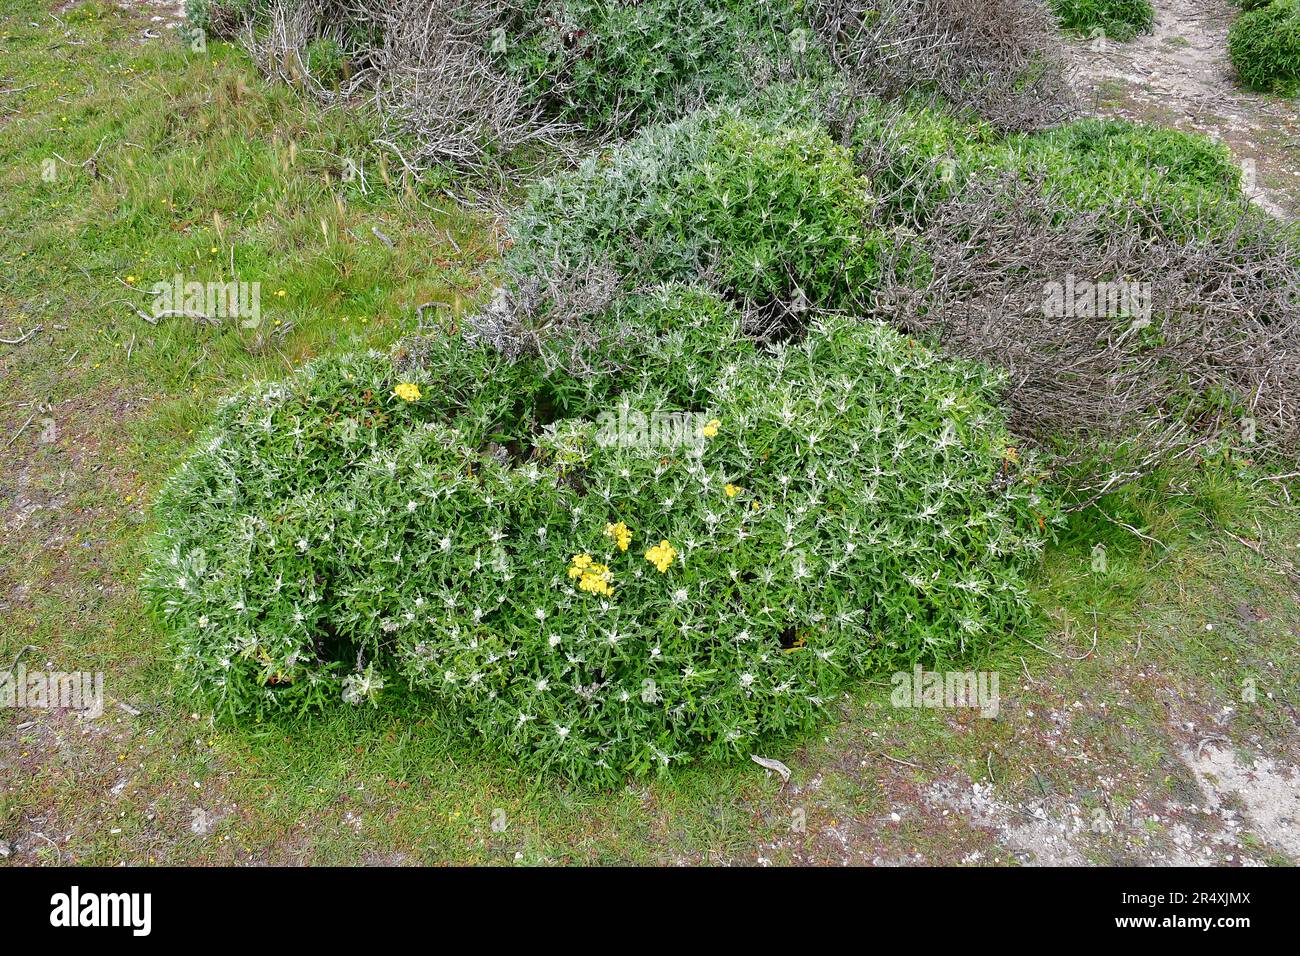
[[1179, 75]]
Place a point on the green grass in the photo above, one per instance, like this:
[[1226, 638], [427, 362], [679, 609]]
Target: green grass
[[186, 136], [1114, 19], [1264, 46]]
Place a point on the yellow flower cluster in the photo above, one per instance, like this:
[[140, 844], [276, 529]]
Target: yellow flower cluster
[[731, 490], [591, 577], [621, 534], [661, 556], [408, 392], [711, 429]]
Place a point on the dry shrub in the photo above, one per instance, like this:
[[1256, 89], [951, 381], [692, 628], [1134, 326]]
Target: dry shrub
[[549, 316], [436, 81], [999, 59], [426, 65], [1206, 352]]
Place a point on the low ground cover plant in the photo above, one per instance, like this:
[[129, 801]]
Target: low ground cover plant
[[1264, 45], [917, 156], [1116, 19], [617, 66], [763, 208], [592, 596]]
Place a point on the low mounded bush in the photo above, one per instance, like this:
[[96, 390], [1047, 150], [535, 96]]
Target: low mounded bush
[[616, 66], [1132, 336], [1264, 45], [917, 157], [997, 221], [1117, 19], [1115, 166], [588, 597], [998, 61], [762, 209]]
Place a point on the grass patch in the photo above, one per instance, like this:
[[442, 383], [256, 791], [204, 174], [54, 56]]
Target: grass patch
[[1114, 19], [1264, 46]]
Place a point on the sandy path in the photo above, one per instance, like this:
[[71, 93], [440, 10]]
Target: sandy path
[[1180, 76]]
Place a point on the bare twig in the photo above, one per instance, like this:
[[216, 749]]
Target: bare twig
[[24, 337]]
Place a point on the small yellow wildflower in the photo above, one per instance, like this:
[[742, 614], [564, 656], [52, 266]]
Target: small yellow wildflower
[[407, 392], [280, 293], [591, 577], [711, 429], [731, 490], [661, 556], [621, 534], [130, 280]]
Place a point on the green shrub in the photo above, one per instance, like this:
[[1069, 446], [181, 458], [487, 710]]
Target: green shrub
[[760, 209], [614, 65], [836, 507], [1264, 45], [1094, 163], [916, 157], [221, 19], [325, 60], [1117, 19]]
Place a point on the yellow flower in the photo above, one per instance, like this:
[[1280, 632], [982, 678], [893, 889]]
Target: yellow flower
[[407, 392], [597, 582], [731, 490], [130, 280], [621, 534], [591, 577], [711, 429], [280, 293], [661, 556]]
